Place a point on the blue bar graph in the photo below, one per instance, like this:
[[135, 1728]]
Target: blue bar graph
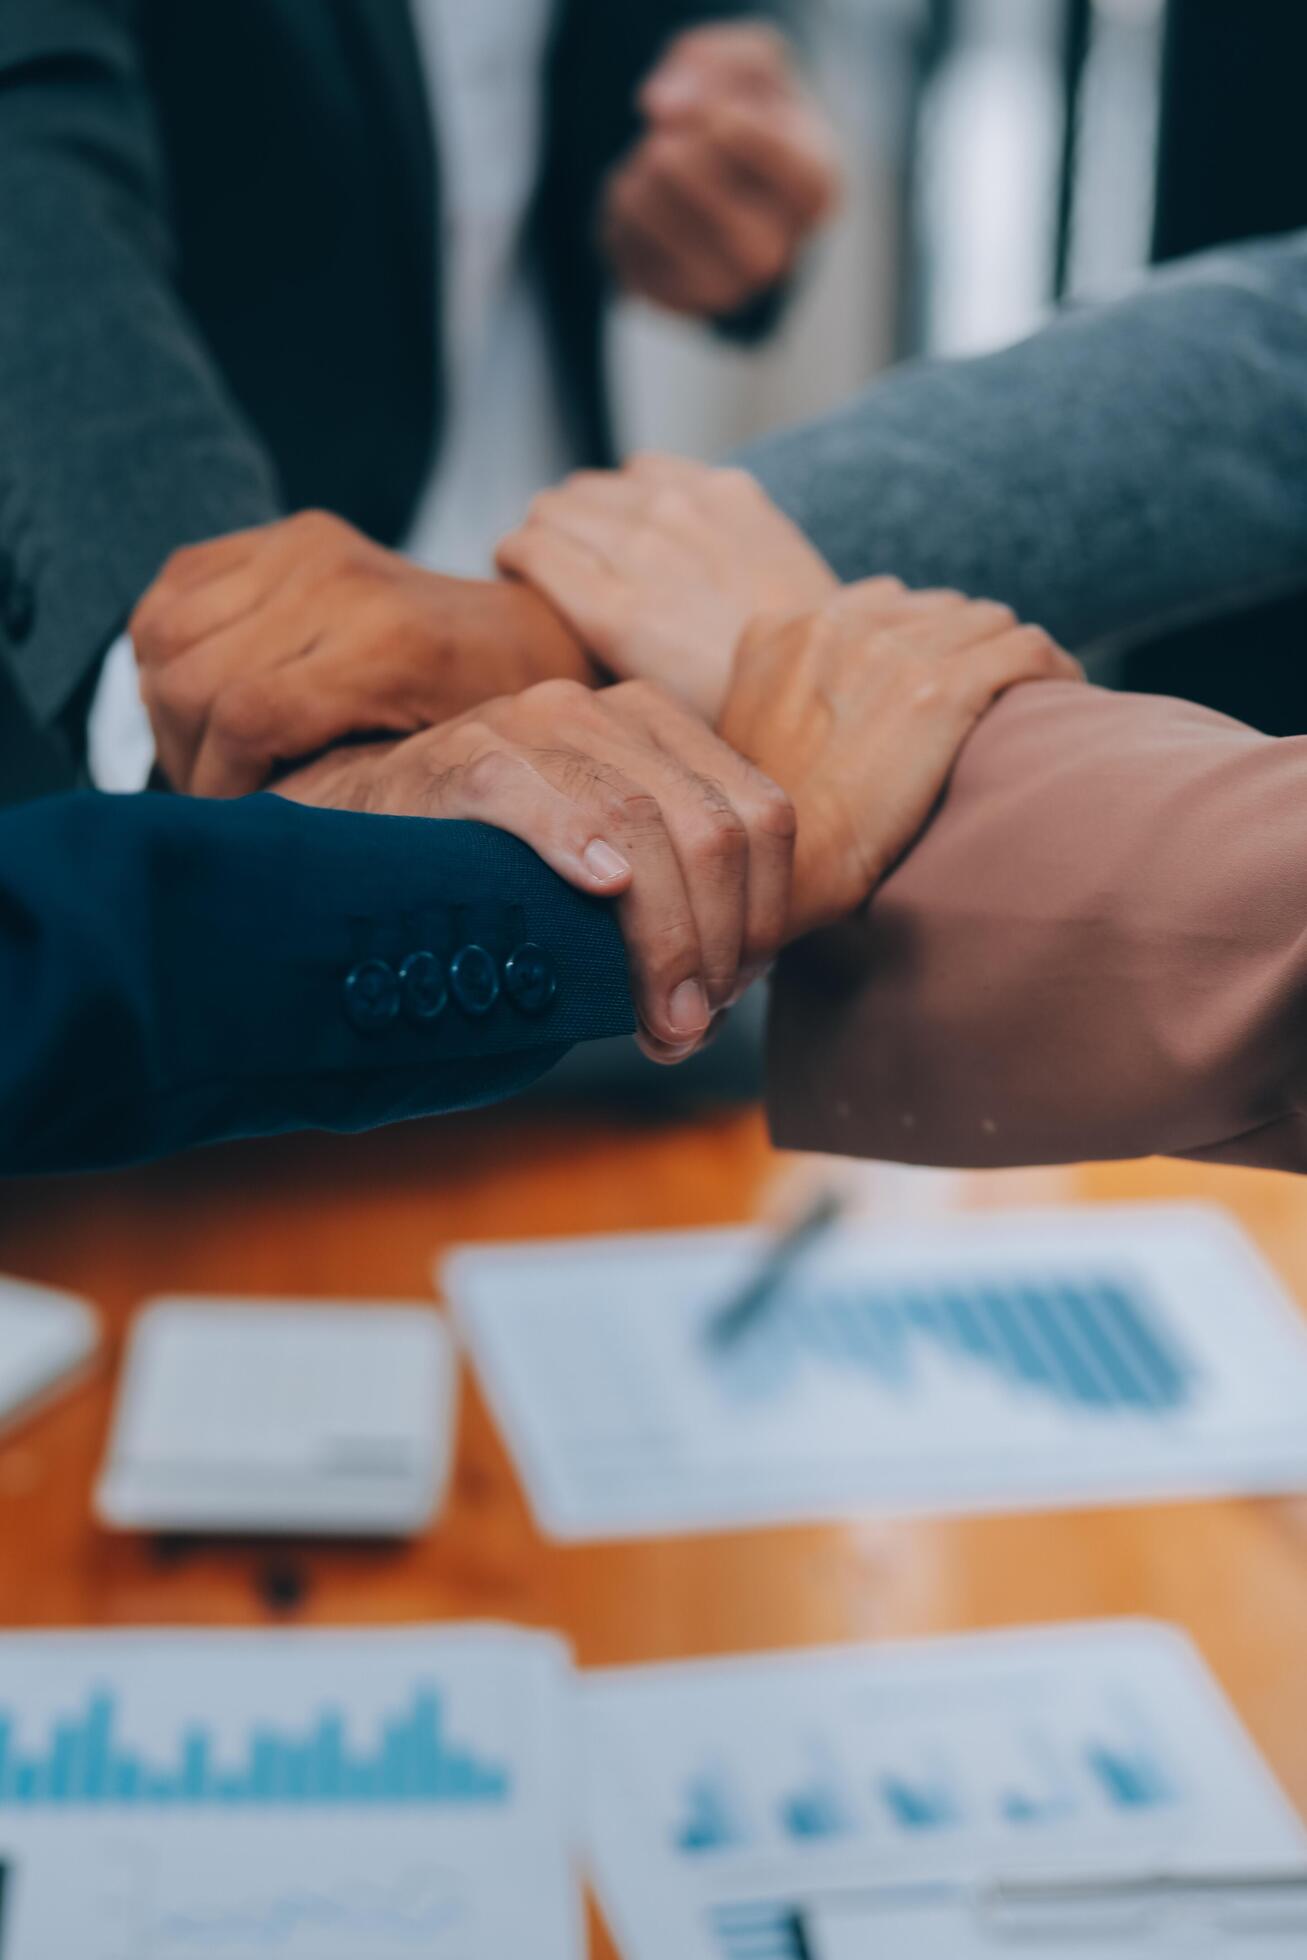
[[816, 1810], [1130, 1779], [712, 1819], [84, 1761], [920, 1803], [1092, 1342]]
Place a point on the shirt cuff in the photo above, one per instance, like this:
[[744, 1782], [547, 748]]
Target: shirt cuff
[[119, 739]]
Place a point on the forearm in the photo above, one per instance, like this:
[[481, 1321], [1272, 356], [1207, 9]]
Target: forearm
[[1128, 467], [1099, 949]]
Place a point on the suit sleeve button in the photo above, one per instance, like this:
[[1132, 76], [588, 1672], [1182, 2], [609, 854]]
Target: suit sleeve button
[[371, 995], [529, 978], [422, 986], [474, 979]]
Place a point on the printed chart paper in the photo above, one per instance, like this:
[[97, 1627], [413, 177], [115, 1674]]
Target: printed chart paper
[[742, 1809], [317, 1796], [1000, 1362]]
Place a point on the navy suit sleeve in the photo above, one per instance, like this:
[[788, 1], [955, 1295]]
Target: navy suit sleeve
[[175, 971]]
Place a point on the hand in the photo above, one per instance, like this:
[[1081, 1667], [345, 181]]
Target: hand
[[269, 645], [736, 169], [627, 795], [659, 567], [859, 711]]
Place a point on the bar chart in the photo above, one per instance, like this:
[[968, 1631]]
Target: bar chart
[[1084, 1340], [84, 1760], [1000, 1776]]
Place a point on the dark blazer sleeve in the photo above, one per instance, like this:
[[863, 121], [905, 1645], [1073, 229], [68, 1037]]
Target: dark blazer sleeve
[[1098, 949], [175, 971], [118, 439], [1132, 466]]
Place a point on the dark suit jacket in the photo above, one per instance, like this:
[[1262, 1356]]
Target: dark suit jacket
[[218, 295], [174, 971]]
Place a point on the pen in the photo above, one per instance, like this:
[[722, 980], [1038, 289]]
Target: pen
[[775, 1267]]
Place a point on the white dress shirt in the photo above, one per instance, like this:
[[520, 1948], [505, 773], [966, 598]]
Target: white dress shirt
[[504, 437]]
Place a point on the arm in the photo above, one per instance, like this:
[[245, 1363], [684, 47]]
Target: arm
[[118, 441], [1099, 949], [198, 986], [1132, 465]]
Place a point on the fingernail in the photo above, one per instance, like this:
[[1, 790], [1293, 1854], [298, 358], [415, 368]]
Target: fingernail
[[603, 862], [687, 1010]]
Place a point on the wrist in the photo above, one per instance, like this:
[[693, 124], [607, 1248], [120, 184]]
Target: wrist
[[543, 645]]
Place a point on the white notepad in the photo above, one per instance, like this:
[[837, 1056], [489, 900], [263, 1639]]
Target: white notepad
[[281, 1416], [1011, 1361], [47, 1340]]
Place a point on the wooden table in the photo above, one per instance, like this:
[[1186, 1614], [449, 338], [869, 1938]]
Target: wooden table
[[351, 1217]]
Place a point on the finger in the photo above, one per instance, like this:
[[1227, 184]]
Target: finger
[[174, 621], [938, 630], [780, 149], [283, 710], [767, 818], [499, 788], [657, 466], [656, 915], [719, 216], [751, 54], [181, 695], [675, 257], [1025, 653], [574, 579], [594, 524], [192, 564]]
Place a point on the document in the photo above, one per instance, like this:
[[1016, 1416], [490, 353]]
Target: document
[[774, 1808], [314, 1796], [996, 1362], [281, 1416]]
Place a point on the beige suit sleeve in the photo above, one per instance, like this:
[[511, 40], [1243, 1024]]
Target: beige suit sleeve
[[1098, 949]]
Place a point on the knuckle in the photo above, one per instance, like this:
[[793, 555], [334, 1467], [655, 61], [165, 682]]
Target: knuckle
[[1035, 646], [990, 614], [487, 776], [243, 714], [734, 485], [670, 506], [630, 808], [559, 698], [770, 809]]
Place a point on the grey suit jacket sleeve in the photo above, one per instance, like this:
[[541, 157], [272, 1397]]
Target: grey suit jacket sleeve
[[1098, 949], [118, 441], [1131, 466]]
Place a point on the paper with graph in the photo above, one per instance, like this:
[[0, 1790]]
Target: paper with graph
[[768, 1808], [317, 1796], [993, 1362]]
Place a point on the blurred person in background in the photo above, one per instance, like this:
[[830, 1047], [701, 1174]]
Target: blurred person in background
[[262, 256]]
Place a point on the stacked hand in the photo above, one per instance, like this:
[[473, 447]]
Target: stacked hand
[[735, 169], [265, 646], [628, 795], [775, 741], [855, 700]]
